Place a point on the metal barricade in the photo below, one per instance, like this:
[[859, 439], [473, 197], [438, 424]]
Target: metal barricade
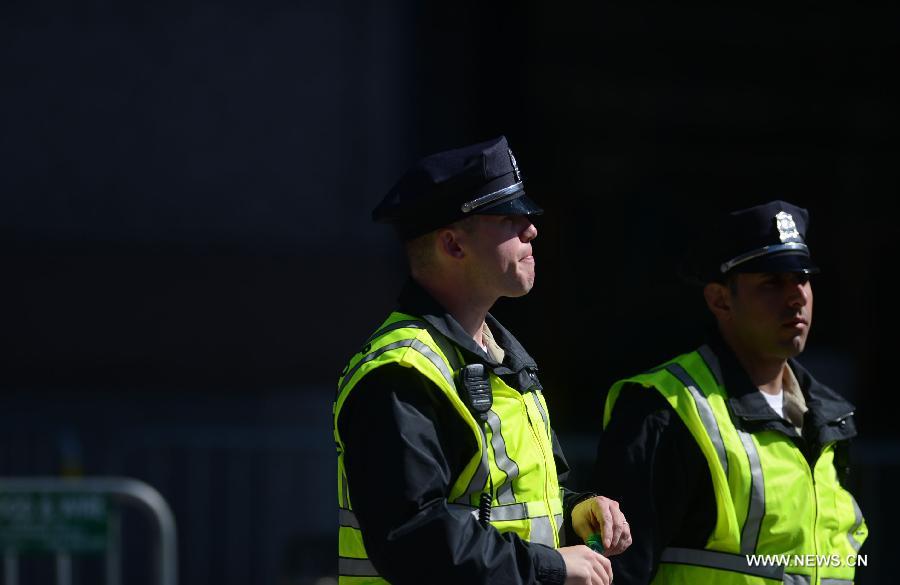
[[66, 515]]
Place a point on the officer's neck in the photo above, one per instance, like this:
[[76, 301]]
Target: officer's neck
[[765, 371], [466, 305]]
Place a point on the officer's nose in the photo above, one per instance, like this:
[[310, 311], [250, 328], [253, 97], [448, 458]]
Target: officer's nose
[[530, 232], [800, 292]]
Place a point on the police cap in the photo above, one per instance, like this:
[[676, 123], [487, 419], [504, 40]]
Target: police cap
[[448, 186], [766, 238]]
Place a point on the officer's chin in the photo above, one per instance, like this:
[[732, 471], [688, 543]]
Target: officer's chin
[[527, 288], [794, 346], [521, 292]]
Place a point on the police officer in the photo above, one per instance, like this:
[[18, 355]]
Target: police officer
[[735, 449], [449, 469]]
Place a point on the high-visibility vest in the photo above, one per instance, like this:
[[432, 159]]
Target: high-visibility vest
[[769, 500], [514, 455]]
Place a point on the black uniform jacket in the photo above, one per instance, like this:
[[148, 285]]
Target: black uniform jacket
[[648, 460], [405, 444]]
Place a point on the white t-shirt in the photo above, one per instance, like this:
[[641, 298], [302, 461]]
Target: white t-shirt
[[776, 401]]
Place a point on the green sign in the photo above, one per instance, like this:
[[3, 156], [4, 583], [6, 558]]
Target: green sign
[[50, 522]]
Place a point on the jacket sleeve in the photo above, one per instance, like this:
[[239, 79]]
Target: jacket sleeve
[[403, 445], [648, 461]]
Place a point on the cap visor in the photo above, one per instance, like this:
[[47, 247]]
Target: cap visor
[[519, 205], [785, 262]]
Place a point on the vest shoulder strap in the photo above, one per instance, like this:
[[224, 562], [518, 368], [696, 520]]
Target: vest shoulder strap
[[446, 346]]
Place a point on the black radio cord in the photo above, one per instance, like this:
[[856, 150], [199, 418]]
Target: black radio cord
[[484, 507], [484, 502]]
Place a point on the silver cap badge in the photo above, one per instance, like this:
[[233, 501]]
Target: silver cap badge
[[515, 167], [787, 229]]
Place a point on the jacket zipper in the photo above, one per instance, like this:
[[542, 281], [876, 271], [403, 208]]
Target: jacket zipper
[[537, 440], [815, 521]]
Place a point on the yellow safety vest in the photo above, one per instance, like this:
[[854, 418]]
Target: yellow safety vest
[[769, 501], [514, 448]]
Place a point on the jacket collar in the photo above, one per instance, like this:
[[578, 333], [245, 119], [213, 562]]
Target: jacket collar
[[414, 300], [829, 416]]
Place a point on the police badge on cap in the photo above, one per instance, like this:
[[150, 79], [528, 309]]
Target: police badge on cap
[[766, 238], [445, 187]]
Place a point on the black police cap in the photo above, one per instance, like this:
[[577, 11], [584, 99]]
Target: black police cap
[[766, 238], [448, 186]]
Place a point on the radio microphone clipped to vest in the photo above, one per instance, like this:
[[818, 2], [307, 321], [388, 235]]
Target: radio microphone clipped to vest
[[476, 390], [476, 393]]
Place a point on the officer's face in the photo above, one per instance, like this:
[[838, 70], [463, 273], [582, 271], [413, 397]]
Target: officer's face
[[499, 255], [771, 313]]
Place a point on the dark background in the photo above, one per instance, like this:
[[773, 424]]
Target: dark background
[[188, 259]]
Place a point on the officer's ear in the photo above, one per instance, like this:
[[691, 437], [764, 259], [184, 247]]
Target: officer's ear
[[718, 299], [448, 243]]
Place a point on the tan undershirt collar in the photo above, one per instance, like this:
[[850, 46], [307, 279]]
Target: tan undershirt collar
[[794, 402], [494, 350]]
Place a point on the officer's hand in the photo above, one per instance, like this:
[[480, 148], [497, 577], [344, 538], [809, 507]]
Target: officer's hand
[[599, 515], [585, 567]]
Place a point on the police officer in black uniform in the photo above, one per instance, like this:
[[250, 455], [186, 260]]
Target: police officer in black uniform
[[407, 439], [770, 478]]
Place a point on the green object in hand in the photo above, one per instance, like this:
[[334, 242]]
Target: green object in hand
[[595, 543]]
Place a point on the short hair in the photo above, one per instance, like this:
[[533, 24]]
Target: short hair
[[728, 280], [420, 250]]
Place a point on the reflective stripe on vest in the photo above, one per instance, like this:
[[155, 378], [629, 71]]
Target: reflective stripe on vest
[[480, 478], [808, 511], [348, 567], [705, 411], [757, 505], [402, 324], [541, 528], [540, 407], [347, 518], [542, 531], [857, 522], [718, 560], [415, 344], [512, 439], [505, 494]]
